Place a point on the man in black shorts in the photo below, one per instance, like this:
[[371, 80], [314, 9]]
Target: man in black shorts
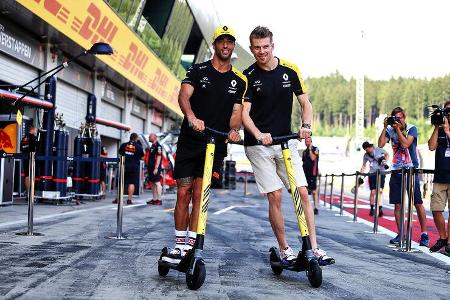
[[211, 95], [310, 158], [133, 154], [28, 144], [103, 170], [154, 169]]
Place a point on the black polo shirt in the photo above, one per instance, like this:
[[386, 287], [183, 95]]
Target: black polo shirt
[[155, 151], [310, 167], [28, 143], [271, 95], [212, 101]]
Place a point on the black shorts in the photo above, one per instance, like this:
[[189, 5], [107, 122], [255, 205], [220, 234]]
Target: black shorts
[[373, 181], [131, 178], [190, 160], [312, 182], [26, 166], [102, 175], [395, 189], [154, 177]]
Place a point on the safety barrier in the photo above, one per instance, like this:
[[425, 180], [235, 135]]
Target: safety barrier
[[31, 193], [407, 203]]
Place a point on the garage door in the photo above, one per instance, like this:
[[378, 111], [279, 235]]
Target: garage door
[[16, 72], [111, 113], [137, 124], [72, 102]]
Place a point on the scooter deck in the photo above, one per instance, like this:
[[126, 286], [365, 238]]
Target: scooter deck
[[182, 266]]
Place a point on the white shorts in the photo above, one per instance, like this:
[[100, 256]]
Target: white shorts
[[268, 165]]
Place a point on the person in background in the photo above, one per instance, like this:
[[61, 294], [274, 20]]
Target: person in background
[[28, 144], [103, 169], [310, 158], [154, 169]]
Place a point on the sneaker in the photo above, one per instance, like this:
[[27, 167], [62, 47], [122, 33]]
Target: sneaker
[[174, 256], [114, 201], [129, 201], [322, 257], [157, 202], [447, 248], [316, 211], [287, 256], [380, 214], [424, 240], [395, 240], [371, 213], [151, 202], [438, 246]]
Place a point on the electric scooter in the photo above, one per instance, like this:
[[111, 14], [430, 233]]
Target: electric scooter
[[306, 261], [192, 263]]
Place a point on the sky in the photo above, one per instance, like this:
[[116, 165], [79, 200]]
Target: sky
[[401, 38]]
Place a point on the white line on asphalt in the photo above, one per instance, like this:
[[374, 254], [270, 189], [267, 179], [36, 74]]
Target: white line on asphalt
[[64, 214], [224, 210]]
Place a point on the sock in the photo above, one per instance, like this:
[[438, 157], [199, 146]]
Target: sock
[[180, 239], [191, 237], [371, 206]]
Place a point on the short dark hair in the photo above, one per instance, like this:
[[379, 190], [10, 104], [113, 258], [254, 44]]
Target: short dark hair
[[447, 103], [397, 110], [261, 32], [366, 145], [134, 136]]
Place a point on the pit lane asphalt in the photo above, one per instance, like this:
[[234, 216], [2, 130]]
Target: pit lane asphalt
[[73, 260]]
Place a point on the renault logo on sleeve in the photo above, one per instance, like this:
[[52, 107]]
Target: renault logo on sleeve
[[285, 76], [233, 83]]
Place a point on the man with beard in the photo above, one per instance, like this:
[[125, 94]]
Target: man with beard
[[272, 83], [211, 95]]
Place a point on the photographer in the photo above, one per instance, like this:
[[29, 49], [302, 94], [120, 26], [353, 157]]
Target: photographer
[[377, 158], [440, 141], [403, 138]]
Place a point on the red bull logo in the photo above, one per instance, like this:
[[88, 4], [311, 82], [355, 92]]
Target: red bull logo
[[8, 138]]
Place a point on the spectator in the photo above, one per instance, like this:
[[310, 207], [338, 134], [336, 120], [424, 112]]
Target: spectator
[[377, 158], [310, 160], [103, 169], [403, 138], [440, 141], [133, 153], [28, 144], [154, 169]]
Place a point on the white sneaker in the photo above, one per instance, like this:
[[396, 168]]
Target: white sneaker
[[322, 257], [287, 256], [174, 256]]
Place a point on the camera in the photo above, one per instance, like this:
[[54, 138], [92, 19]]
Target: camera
[[438, 115], [392, 120], [383, 163]]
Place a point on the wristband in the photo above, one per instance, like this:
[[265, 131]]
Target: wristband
[[306, 125]]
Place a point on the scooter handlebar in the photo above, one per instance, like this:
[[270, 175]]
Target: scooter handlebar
[[283, 138]]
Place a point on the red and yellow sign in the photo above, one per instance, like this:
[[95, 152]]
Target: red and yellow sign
[[8, 138], [89, 21]]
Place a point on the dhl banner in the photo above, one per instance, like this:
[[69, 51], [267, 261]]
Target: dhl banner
[[89, 21]]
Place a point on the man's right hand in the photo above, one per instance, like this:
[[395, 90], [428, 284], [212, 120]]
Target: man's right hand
[[196, 124], [265, 138]]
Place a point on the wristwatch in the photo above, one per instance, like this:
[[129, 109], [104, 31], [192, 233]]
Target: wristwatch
[[306, 125]]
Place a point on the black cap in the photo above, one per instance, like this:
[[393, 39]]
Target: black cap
[[366, 145]]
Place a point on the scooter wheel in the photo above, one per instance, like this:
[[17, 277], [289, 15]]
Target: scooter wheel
[[163, 271], [196, 280], [314, 274], [274, 258]]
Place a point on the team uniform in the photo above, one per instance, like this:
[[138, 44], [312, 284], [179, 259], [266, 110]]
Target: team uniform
[[403, 158], [311, 167], [212, 101], [155, 151], [271, 96], [28, 144], [133, 153], [374, 166]]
